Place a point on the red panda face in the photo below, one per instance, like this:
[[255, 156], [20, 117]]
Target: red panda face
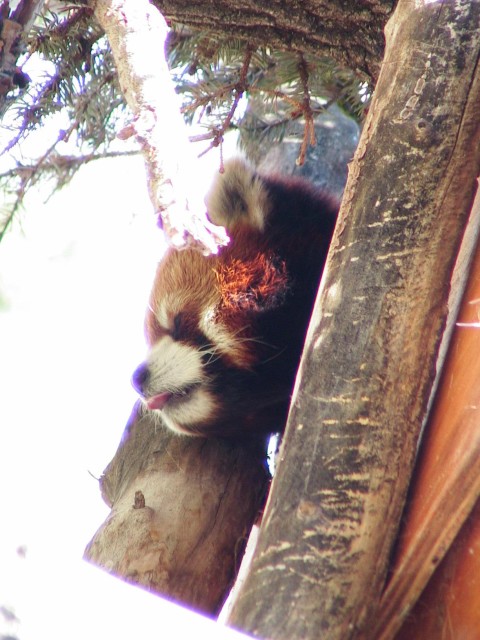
[[205, 338], [184, 338], [225, 332]]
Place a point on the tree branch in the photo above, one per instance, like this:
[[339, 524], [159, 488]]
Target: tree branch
[[13, 30], [137, 32], [309, 132], [181, 511]]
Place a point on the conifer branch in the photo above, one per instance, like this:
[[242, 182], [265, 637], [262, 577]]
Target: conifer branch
[[309, 129], [210, 71], [26, 177], [239, 89]]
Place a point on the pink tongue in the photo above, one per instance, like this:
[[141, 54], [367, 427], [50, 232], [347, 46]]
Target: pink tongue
[[158, 402]]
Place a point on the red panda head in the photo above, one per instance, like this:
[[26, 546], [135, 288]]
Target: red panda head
[[225, 332]]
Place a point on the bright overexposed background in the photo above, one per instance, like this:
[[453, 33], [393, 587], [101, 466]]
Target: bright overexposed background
[[75, 276], [74, 281]]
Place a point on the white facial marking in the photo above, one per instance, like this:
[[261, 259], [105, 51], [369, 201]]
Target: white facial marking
[[220, 337], [173, 366], [162, 316], [200, 406]]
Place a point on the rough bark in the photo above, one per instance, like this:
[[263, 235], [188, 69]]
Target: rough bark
[[182, 509], [348, 31], [444, 490], [370, 359]]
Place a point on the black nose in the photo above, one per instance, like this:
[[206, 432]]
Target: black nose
[[140, 377]]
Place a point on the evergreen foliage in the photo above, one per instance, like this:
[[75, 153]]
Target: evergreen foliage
[[210, 74], [74, 100], [77, 100]]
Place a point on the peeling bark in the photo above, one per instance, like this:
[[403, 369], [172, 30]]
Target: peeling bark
[[370, 359], [450, 606]]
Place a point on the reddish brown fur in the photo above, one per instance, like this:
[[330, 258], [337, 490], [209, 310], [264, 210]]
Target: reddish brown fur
[[249, 306]]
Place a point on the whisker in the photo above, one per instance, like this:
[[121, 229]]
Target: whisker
[[251, 339], [211, 350], [275, 355]]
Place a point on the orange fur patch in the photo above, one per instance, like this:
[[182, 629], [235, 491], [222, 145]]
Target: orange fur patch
[[259, 284]]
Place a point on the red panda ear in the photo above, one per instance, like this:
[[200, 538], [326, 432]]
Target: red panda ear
[[260, 284], [238, 196]]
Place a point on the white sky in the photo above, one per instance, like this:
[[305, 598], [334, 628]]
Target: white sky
[[75, 276], [76, 279]]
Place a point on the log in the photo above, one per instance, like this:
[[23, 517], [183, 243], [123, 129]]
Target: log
[[363, 389], [449, 608], [181, 511], [445, 489]]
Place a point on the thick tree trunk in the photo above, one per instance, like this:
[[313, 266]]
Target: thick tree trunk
[[370, 359], [348, 31], [182, 509]]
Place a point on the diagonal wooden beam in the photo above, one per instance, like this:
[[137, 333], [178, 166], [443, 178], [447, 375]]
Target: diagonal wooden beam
[[446, 484]]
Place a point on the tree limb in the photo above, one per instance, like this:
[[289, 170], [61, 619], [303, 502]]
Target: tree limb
[[348, 31], [182, 509], [136, 32]]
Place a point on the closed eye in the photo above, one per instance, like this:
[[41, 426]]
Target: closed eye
[[178, 326], [184, 326]]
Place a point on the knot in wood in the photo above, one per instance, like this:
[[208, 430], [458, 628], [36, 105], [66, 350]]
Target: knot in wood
[[139, 500]]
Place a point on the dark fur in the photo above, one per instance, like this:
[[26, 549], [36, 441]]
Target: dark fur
[[266, 281]]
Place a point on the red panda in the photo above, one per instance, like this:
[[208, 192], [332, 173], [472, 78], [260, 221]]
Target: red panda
[[225, 332]]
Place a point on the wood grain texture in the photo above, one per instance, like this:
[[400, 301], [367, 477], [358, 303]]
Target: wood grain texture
[[449, 608], [370, 359], [444, 490], [182, 509]]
